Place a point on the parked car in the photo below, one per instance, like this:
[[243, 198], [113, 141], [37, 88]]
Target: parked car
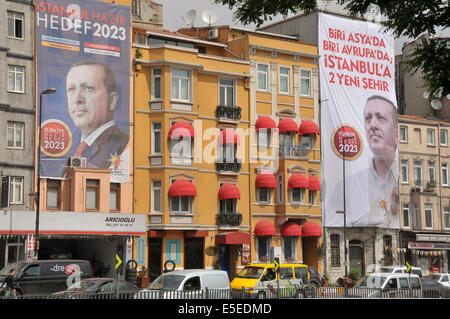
[[443, 279], [188, 284], [400, 270], [315, 279], [392, 285], [90, 286], [433, 289], [46, 276]]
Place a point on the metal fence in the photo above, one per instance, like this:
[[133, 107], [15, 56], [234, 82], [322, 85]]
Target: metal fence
[[267, 293]]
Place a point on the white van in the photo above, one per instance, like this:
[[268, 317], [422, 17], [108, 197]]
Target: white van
[[188, 284], [389, 285], [400, 270]]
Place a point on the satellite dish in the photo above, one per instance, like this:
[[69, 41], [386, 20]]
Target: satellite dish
[[436, 104], [189, 17], [209, 17]]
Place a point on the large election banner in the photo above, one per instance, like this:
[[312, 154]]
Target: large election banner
[[83, 51], [358, 124]]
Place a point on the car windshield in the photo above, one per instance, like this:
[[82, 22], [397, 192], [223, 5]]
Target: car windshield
[[251, 272], [435, 277], [83, 285], [371, 282], [17, 266], [167, 282]]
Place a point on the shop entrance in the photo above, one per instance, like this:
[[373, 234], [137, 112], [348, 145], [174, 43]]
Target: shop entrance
[[154, 257], [356, 254], [193, 253]]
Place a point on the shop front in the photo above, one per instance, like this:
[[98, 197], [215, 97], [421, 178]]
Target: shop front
[[431, 252]]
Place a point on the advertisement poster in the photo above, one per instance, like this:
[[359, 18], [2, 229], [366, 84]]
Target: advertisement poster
[[83, 51], [358, 124]]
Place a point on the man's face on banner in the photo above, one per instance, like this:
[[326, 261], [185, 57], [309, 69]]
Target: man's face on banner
[[90, 104], [380, 128]]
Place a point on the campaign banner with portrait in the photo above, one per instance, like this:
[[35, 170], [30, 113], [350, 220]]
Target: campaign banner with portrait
[[358, 124], [83, 51]]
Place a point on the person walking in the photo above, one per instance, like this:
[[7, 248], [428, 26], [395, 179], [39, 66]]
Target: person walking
[[9, 281]]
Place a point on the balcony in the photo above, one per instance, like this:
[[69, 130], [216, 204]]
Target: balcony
[[225, 220], [232, 113], [233, 167]]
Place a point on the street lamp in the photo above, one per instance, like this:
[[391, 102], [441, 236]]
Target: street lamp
[[345, 211], [38, 191]]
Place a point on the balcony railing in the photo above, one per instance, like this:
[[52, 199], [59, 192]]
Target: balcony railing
[[235, 166], [229, 219], [228, 112]]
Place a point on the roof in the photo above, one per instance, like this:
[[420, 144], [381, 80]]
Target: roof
[[186, 272], [421, 119], [178, 36]]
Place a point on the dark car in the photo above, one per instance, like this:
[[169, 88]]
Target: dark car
[[433, 289], [88, 288], [315, 278], [41, 277]]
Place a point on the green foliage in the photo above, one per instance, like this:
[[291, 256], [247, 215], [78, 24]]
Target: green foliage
[[354, 274]]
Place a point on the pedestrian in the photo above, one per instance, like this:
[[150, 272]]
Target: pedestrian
[[9, 280]]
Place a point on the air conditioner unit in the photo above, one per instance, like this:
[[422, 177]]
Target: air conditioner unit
[[78, 162], [213, 34]]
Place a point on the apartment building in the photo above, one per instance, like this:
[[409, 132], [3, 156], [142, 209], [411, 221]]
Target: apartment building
[[424, 160]]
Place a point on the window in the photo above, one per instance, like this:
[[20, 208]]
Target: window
[[264, 243], [416, 216], [228, 206], [280, 188], [403, 134], [156, 196], [15, 24], [92, 194], [307, 141], [284, 80], [286, 273], [114, 196], [446, 216], [264, 195], [264, 137], [156, 137], [444, 174], [305, 82], [387, 242], [405, 210], [226, 92], [16, 190], [262, 77], [32, 271], [156, 84], [444, 138], [335, 250], [418, 173], [431, 172], [181, 85], [180, 204], [290, 248], [286, 141], [428, 210], [16, 78], [297, 195], [53, 193], [312, 197], [15, 135], [404, 171], [181, 147], [430, 137]]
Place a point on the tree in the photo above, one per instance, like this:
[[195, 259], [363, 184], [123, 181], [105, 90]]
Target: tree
[[409, 19]]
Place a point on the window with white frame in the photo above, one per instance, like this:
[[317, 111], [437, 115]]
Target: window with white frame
[[297, 195], [263, 77], [16, 78], [53, 194], [156, 83], [431, 172], [16, 190], [403, 136], [284, 80], [447, 217], [15, 135], [181, 147], [264, 137], [180, 84], [416, 215], [444, 174], [92, 194], [156, 196], [418, 173], [156, 137], [264, 195], [305, 82], [226, 92], [307, 141], [280, 188], [114, 196], [430, 137], [444, 138], [180, 204], [264, 243], [15, 24], [406, 217], [312, 197], [228, 206], [404, 168], [290, 248], [428, 210], [286, 142]]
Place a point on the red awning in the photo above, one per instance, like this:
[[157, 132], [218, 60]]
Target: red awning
[[308, 127], [233, 238], [298, 180], [287, 125], [291, 228], [264, 228], [266, 180], [311, 229], [228, 136], [229, 191], [265, 122], [313, 183], [181, 129], [182, 187]]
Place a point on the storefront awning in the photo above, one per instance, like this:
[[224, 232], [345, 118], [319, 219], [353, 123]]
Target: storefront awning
[[298, 180], [181, 129], [233, 238], [287, 125], [308, 127], [291, 228], [311, 229], [264, 228], [265, 122], [266, 180], [229, 191], [313, 183], [182, 187]]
